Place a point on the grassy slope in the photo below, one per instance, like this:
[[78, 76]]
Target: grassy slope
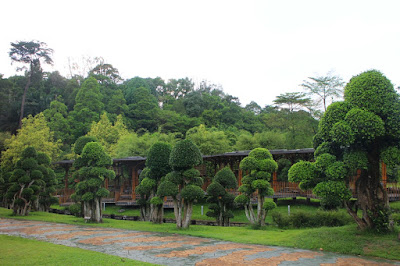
[[22, 251], [346, 239]]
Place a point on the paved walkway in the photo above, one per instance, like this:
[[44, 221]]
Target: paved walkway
[[173, 249]]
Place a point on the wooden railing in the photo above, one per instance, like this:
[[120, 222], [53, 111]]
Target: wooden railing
[[282, 190]]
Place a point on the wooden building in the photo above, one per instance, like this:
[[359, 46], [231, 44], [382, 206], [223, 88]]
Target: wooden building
[[127, 170]]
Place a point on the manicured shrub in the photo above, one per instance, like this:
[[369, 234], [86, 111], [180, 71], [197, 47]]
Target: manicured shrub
[[304, 219], [281, 220]]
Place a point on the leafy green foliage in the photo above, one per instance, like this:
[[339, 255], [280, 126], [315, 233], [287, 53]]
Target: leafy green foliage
[[356, 134], [185, 155], [31, 181], [304, 219], [303, 172], [221, 202], [192, 193], [108, 134], [81, 142], [259, 165], [34, 132], [92, 170], [158, 159]]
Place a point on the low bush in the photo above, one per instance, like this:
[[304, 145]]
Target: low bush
[[76, 209], [308, 219], [280, 219], [396, 218]]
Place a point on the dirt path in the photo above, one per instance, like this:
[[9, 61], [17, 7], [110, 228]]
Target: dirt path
[[172, 249]]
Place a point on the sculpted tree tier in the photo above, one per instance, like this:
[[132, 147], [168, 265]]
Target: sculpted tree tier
[[358, 133]]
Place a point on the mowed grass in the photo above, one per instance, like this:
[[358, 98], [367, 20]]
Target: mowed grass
[[239, 215], [346, 239], [22, 251]]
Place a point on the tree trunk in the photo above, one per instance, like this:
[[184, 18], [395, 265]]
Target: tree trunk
[[250, 213], [226, 219], [87, 210], [96, 211], [21, 115], [178, 212], [260, 209], [188, 214], [246, 211], [220, 218], [157, 215], [372, 198]]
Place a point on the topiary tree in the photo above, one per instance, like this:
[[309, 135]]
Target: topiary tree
[[357, 133], [92, 171], [221, 202], [45, 199], [157, 166], [28, 181], [268, 206], [183, 184], [259, 166], [144, 189], [81, 142]]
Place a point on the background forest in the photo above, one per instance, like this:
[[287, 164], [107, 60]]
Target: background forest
[[128, 116]]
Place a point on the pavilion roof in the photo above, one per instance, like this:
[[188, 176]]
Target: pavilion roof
[[227, 154]]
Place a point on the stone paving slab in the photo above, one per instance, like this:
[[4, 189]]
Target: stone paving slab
[[173, 249]]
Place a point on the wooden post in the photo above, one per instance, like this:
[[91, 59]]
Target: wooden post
[[274, 181], [65, 197], [384, 175], [134, 177], [240, 177]]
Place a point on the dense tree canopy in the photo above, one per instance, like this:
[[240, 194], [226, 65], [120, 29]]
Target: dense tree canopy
[[183, 184], [92, 171], [157, 166], [259, 166], [32, 53], [31, 183], [357, 133], [221, 201]]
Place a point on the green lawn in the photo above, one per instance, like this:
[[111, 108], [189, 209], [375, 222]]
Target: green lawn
[[22, 251], [239, 213], [346, 239]]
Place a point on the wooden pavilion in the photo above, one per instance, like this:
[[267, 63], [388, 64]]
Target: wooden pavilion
[[127, 170]]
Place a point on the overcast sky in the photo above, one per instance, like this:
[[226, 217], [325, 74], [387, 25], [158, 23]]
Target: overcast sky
[[255, 49]]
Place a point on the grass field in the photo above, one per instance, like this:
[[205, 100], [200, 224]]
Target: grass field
[[239, 213], [345, 239], [22, 251]]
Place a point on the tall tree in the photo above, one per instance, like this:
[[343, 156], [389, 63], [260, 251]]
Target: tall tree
[[259, 165], [157, 166], [144, 110], [221, 201], [210, 141], [32, 177], [107, 133], [357, 133], [34, 132], [292, 100], [31, 53], [92, 170], [295, 120], [183, 183], [324, 87], [105, 73]]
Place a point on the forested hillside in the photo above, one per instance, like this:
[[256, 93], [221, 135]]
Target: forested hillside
[[127, 116]]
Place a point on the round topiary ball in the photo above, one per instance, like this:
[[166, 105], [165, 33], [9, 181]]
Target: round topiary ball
[[185, 154]]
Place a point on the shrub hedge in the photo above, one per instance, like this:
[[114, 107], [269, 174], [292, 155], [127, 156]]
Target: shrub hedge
[[303, 219]]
